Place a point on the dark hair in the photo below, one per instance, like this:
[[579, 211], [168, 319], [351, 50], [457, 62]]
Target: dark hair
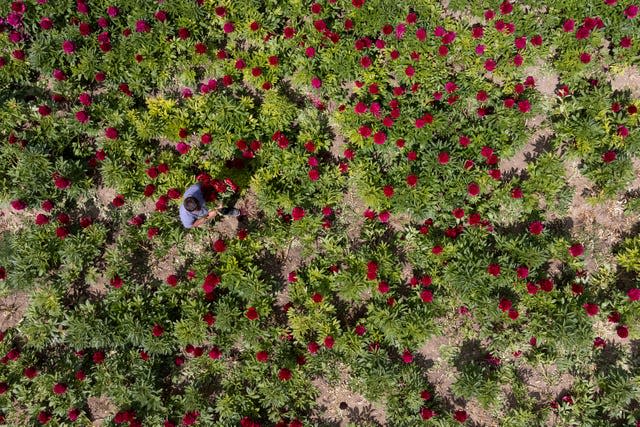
[[191, 204]]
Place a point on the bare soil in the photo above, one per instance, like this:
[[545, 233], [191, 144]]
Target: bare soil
[[12, 309], [100, 408], [598, 226], [338, 405], [546, 80], [629, 79]]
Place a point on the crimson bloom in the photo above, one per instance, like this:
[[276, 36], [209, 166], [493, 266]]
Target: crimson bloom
[[622, 331], [609, 156], [219, 246], [62, 232], [493, 269], [426, 296], [297, 213], [634, 294], [157, 330], [60, 388], [461, 416], [284, 374], [536, 227], [631, 11], [576, 250], [426, 413], [111, 133], [118, 201], [44, 417], [251, 313], [505, 304], [329, 341], [68, 47], [524, 106], [591, 309]]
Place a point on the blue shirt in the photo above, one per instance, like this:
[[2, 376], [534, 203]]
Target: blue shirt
[[188, 218]]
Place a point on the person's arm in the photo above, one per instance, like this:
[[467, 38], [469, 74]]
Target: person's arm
[[204, 219]]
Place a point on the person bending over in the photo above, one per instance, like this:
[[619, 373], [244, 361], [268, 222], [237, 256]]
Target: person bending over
[[194, 212]]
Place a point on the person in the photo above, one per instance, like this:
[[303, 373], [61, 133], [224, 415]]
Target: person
[[194, 212]]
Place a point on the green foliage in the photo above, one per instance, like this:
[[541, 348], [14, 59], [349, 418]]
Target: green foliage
[[360, 230]]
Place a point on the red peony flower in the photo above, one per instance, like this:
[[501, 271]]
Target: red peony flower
[[536, 227], [461, 416], [577, 289], [494, 270], [626, 42], [426, 413], [609, 156], [190, 418], [297, 213], [591, 309], [152, 232], [505, 304], [215, 353], [111, 133], [172, 280], [47, 205], [149, 189], [412, 180], [44, 417], [210, 283], [634, 294], [622, 331], [585, 58], [576, 250], [30, 372], [284, 374], [62, 232], [41, 219], [251, 313], [426, 295], [524, 106], [82, 116], [18, 204], [631, 11], [116, 282], [329, 341], [313, 347], [262, 356], [118, 201], [546, 285], [98, 357], [598, 342], [157, 330], [60, 388], [490, 65], [68, 47], [61, 182]]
